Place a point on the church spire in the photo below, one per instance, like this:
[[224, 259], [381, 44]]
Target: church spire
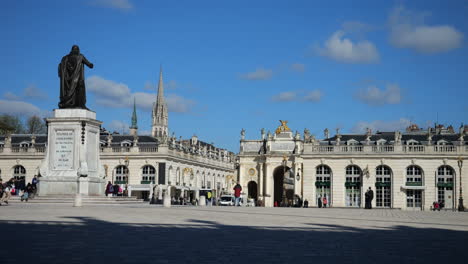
[[134, 115], [134, 126], [160, 113]]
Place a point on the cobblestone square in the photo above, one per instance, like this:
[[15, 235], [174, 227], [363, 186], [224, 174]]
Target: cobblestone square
[[49, 233]]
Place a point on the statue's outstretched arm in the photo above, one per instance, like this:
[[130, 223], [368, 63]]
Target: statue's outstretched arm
[[89, 64]]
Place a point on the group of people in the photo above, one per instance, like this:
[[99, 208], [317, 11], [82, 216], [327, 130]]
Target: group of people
[[322, 201], [113, 189], [369, 196], [17, 187]]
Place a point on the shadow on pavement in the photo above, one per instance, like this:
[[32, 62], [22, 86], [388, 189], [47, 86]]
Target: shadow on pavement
[[88, 240]]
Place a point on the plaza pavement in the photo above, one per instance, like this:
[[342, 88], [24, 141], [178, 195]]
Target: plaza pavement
[[49, 233]]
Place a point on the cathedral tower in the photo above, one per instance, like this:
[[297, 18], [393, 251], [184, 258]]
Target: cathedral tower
[[160, 115], [134, 126]]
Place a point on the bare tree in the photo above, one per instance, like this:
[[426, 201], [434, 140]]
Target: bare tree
[[10, 124], [35, 125]]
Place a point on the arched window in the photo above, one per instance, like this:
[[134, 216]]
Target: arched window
[[445, 176], [121, 174], [323, 183], [353, 186], [383, 185], [148, 174], [414, 176], [19, 172], [353, 173]]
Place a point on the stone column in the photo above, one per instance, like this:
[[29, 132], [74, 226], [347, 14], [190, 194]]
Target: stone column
[[260, 181], [268, 189]]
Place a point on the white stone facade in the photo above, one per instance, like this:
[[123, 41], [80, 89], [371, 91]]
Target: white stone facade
[[385, 162]]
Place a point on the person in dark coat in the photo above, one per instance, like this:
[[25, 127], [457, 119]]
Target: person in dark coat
[[319, 202], [109, 188], [116, 189], [369, 195]]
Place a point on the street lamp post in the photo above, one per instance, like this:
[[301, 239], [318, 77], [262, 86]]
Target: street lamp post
[[127, 162], [285, 163], [461, 208]]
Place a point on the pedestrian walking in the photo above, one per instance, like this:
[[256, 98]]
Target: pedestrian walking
[[319, 201], [237, 193], [109, 188], [325, 201], [6, 192]]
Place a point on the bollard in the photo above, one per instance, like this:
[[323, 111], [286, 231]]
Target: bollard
[[78, 201], [167, 201], [202, 201]]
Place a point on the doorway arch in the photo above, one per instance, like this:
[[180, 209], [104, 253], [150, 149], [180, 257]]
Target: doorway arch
[[252, 190], [279, 189]]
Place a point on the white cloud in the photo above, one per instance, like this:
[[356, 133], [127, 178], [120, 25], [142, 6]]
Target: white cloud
[[170, 85], [285, 97], [107, 88], [11, 96], [116, 4], [343, 49], [19, 108], [383, 126], [150, 86], [33, 92], [298, 67], [313, 96], [117, 126], [298, 96], [408, 30], [258, 74], [372, 95], [178, 104], [30, 92], [112, 94]]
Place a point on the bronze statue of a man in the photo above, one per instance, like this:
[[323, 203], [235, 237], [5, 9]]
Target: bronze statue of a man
[[72, 80]]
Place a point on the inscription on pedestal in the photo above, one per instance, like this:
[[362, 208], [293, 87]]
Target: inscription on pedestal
[[64, 142]]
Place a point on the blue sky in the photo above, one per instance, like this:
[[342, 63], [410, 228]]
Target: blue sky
[[230, 65]]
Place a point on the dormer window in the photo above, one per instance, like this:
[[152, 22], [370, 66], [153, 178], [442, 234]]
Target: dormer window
[[381, 142], [24, 144], [126, 143], [352, 142], [412, 142], [442, 142]]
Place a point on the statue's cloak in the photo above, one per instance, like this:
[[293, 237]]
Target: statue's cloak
[[72, 81]]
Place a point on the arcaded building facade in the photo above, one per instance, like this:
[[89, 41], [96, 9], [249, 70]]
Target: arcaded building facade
[[408, 170]]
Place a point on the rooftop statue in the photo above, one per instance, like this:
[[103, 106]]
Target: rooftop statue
[[283, 127], [72, 80]]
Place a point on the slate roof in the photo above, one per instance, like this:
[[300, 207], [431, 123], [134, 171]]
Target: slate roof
[[390, 137]]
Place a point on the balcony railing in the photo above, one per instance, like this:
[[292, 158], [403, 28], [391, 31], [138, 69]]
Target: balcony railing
[[40, 149], [148, 149], [383, 149], [390, 149]]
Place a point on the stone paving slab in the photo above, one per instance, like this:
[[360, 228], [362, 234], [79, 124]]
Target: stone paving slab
[[145, 233]]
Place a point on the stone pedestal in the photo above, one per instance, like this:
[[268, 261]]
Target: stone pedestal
[[202, 201], [167, 200], [72, 160]]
